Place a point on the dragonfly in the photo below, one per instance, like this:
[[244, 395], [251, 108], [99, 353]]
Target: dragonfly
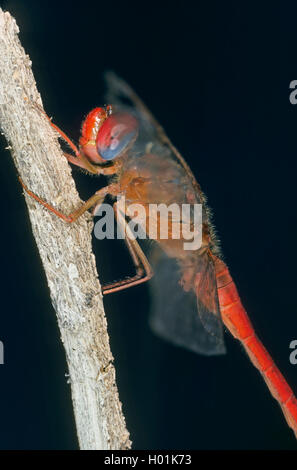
[[193, 293]]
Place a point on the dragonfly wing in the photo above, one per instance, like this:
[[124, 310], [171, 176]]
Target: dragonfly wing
[[207, 297], [121, 94], [174, 311], [152, 133], [174, 315]]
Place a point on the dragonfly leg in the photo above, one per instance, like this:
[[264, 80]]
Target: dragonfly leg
[[79, 159], [95, 199], [83, 162], [144, 271], [58, 130]]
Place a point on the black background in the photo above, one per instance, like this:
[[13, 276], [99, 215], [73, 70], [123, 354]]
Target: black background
[[217, 77]]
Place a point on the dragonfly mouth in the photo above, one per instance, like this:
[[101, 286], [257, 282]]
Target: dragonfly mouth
[[104, 164]]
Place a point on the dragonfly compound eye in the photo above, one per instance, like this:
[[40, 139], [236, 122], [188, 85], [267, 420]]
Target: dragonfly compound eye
[[116, 134]]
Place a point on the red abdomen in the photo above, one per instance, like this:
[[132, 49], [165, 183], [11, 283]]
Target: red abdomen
[[236, 320]]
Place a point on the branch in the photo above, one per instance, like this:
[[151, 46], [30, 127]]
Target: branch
[[65, 250]]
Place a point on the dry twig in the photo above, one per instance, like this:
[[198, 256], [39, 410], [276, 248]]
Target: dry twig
[[65, 250]]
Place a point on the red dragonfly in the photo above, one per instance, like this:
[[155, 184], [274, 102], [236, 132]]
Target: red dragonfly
[[193, 292]]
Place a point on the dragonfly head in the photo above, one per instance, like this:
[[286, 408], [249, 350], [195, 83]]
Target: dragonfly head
[[106, 135]]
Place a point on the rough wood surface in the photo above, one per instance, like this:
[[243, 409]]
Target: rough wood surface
[[65, 250]]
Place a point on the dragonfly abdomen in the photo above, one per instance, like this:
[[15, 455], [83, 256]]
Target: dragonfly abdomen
[[236, 320]]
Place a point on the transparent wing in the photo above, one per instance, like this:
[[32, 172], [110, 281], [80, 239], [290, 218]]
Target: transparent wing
[[152, 134], [174, 315], [207, 297], [189, 319]]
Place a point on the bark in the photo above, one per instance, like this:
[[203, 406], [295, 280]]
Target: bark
[[65, 250]]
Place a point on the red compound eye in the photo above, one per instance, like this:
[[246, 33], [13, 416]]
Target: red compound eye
[[116, 133]]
